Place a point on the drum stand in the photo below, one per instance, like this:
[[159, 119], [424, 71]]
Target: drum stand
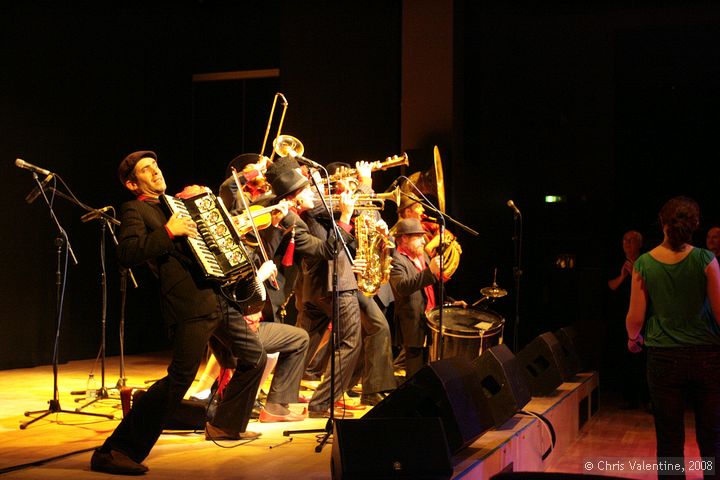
[[62, 240]]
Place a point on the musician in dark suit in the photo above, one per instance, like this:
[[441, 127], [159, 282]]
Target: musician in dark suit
[[192, 312], [314, 245], [374, 369], [413, 277]]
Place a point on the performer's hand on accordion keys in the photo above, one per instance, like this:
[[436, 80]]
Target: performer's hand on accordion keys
[[180, 224]]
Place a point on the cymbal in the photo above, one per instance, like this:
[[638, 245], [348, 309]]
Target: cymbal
[[493, 292]]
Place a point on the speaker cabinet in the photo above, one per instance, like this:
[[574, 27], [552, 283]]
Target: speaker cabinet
[[447, 389], [402, 448], [569, 343], [542, 364], [502, 382]]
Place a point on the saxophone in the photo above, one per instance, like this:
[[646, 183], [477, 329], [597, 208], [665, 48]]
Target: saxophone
[[375, 249]]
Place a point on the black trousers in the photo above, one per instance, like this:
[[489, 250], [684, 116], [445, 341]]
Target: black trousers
[[139, 430], [315, 318], [680, 375], [291, 342], [375, 367]]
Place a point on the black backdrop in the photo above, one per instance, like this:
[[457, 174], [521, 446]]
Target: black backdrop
[[589, 102]]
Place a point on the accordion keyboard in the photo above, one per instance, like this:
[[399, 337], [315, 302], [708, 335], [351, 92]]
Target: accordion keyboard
[[217, 248]]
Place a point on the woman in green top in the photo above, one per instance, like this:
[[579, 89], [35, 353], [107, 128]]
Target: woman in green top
[[676, 290]]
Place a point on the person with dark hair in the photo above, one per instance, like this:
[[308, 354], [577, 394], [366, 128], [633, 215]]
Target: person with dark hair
[[675, 292], [193, 314]]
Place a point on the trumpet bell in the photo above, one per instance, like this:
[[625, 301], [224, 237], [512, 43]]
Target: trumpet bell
[[285, 145]]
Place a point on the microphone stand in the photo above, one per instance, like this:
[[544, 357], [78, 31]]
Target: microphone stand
[[517, 272], [124, 272], [334, 323], [106, 224], [62, 239], [441, 283]]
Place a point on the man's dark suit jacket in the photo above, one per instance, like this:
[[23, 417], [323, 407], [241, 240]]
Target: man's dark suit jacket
[[143, 238], [309, 248], [410, 301]]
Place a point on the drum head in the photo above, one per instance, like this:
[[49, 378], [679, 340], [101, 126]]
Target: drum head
[[465, 321]]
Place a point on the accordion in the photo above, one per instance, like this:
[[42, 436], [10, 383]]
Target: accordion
[[218, 248]]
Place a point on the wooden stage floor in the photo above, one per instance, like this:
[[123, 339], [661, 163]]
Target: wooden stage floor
[[610, 432]]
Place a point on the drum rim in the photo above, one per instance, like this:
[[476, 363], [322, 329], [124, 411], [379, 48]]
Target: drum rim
[[498, 324]]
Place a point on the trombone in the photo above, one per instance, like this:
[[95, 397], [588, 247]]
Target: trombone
[[285, 145], [269, 124]]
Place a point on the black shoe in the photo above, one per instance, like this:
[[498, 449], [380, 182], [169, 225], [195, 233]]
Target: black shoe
[[337, 413], [372, 399], [216, 433], [117, 463]]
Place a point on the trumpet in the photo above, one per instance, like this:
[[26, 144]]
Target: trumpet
[[389, 162], [368, 201]]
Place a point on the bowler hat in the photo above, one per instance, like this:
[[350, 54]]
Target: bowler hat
[[335, 166], [128, 164], [287, 182], [279, 166], [240, 162], [408, 226], [406, 201]]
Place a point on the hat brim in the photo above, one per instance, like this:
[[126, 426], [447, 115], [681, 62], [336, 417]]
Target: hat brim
[[412, 232], [300, 183]]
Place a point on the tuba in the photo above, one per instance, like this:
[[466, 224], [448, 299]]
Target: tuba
[[431, 182]]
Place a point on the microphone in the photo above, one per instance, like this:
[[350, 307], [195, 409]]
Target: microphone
[[35, 192], [305, 161], [19, 162], [511, 204], [92, 215], [393, 185]]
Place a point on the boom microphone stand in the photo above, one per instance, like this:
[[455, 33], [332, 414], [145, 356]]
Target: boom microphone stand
[[334, 320], [60, 241], [124, 273], [106, 223], [517, 270], [441, 284]]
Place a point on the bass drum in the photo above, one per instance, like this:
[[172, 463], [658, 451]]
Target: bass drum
[[467, 332]]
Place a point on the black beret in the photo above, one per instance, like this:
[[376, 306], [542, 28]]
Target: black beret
[[128, 164]]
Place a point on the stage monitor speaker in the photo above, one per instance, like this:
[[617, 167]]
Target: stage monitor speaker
[[502, 382], [447, 389], [542, 364], [388, 448], [568, 338]]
